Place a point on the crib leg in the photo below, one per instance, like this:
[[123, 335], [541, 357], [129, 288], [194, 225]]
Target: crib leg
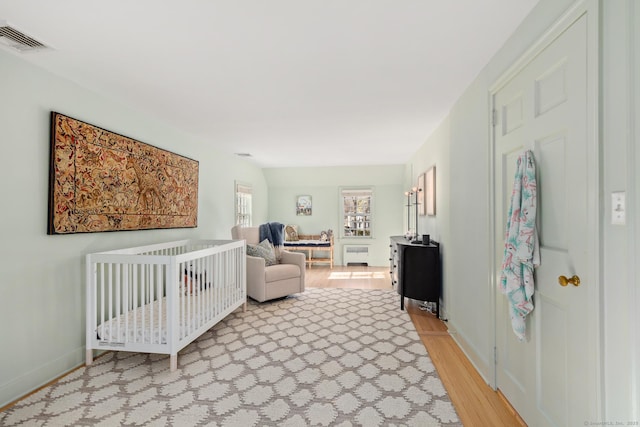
[[173, 362], [244, 307], [88, 357]]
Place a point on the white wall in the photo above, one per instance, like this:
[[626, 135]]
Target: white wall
[[465, 137], [323, 184], [620, 133], [633, 181], [467, 270], [41, 276]]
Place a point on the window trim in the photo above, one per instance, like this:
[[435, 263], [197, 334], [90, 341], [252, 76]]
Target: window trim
[[243, 218], [371, 213]]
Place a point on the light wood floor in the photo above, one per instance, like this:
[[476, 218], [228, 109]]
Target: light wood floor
[[476, 403]]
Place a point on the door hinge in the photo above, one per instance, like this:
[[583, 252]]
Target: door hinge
[[494, 117], [495, 355]]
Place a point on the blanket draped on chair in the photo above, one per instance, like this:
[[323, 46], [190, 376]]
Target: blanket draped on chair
[[273, 232]]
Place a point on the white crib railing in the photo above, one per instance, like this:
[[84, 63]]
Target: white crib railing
[[159, 298]]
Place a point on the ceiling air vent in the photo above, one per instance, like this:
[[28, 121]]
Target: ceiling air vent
[[18, 40]]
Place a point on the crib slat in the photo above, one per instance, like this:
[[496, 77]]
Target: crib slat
[[182, 291], [102, 318], [134, 301], [216, 281], [125, 299], [158, 298], [199, 296], [144, 299], [151, 305], [188, 302], [110, 287], [210, 308]]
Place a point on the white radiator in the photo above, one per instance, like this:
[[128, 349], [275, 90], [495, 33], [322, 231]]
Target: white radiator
[[355, 254]]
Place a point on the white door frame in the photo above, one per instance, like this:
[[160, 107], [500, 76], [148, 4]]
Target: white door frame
[[633, 22], [593, 349]]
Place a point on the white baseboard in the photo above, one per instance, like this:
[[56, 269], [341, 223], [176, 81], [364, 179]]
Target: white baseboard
[[20, 386]]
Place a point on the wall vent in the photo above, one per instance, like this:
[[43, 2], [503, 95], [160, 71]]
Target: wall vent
[[355, 254], [16, 39]]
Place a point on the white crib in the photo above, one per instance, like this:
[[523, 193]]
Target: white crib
[[159, 298]]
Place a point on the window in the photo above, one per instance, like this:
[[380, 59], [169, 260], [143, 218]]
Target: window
[[356, 212], [243, 204]]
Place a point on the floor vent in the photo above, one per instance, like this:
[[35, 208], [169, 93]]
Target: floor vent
[[16, 39], [355, 255]]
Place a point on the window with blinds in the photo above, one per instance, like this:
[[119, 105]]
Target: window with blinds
[[357, 212], [243, 204]]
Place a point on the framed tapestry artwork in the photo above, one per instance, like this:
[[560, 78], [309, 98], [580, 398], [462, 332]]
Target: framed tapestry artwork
[[430, 193], [103, 181], [303, 206]]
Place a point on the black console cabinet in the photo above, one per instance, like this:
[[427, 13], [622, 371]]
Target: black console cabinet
[[415, 270]]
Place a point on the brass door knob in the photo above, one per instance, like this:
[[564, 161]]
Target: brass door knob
[[575, 280]]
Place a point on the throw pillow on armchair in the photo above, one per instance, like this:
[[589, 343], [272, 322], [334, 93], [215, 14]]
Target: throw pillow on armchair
[[264, 250]]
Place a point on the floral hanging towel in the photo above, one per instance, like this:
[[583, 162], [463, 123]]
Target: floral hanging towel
[[521, 250]]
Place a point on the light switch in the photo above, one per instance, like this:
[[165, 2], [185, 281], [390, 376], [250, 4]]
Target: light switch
[[618, 211]]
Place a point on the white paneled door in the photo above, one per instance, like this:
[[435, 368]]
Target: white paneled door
[[549, 377]]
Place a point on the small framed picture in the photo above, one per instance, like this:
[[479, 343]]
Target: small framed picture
[[303, 206]]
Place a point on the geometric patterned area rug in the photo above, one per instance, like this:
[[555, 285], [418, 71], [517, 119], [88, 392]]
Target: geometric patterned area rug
[[325, 357]]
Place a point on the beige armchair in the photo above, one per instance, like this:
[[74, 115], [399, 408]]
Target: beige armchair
[[268, 282]]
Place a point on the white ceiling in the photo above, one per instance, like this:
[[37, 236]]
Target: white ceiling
[[293, 82]]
